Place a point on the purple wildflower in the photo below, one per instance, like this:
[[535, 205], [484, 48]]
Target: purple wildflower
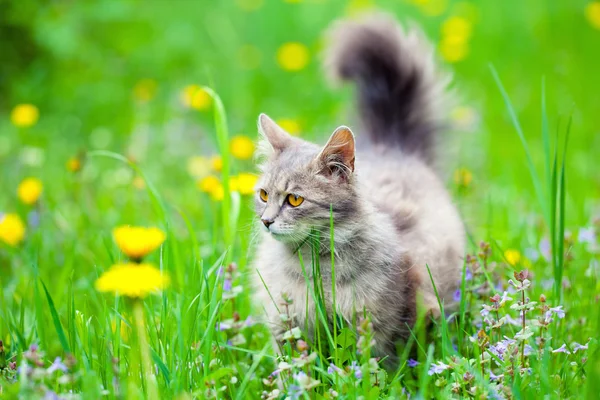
[[456, 296], [562, 349], [412, 363], [33, 219], [587, 235], [227, 285], [57, 365], [560, 313], [527, 350], [532, 254], [333, 368], [468, 274], [294, 392], [356, 369], [545, 249], [50, 395], [437, 368], [223, 326], [494, 377], [576, 347]]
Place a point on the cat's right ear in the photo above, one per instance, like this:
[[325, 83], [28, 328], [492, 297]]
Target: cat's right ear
[[273, 133]]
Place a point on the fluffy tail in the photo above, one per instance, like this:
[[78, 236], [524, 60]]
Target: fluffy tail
[[399, 90]]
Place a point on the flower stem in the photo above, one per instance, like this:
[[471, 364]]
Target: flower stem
[[138, 312], [523, 343]]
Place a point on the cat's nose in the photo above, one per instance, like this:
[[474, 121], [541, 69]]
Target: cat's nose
[[267, 222]]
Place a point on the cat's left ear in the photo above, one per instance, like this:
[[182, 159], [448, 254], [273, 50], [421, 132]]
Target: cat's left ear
[[337, 156]]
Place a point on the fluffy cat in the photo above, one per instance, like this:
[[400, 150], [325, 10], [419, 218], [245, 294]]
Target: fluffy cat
[[391, 213]]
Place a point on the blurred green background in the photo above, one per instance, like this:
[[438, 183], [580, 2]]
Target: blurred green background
[[110, 74]]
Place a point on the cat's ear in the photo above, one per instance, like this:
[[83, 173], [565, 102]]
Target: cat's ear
[[273, 133], [337, 156]]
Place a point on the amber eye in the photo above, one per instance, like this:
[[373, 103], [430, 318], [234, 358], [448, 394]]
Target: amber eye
[[264, 196], [294, 200]]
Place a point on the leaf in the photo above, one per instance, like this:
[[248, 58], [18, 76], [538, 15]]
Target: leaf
[[57, 325]]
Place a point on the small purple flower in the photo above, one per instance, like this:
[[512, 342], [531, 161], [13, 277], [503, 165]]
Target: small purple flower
[[562, 349], [294, 392], [560, 313], [50, 395], [412, 363], [527, 350], [57, 365], [576, 347], [333, 368], [532, 254], [493, 377], [437, 368], [456, 296], [223, 326], [356, 369], [33, 219], [249, 322], [227, 285], [468, 274], [587, 235], [545, 249]]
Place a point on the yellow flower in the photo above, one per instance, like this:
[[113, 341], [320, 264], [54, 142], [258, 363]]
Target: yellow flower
[[453, 50], [74, 164], [12, 229], [463, 177], [137, 242], [132, 280], [29, 190], [194, 96], [218, 192], [458, 28], [145, 90], [291, 126], [216, 163], [249, 57], [245, 183], [293, 56], [198, 166], [208, 184], [139, 182], [24, 115], [512, 256], [592, 13], [241, 147]]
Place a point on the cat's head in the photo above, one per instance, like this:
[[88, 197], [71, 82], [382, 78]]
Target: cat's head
[[302, 183]]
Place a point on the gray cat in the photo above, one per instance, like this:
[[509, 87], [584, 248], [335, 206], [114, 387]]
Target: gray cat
[[391, 213]]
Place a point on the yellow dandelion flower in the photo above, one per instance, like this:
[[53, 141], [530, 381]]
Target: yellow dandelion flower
[[198, 166], [217, 193], [293, 56], [216, 163], [12, 229], [233, 183], [453, 50], [592, 13], [241, 147], [249, 5], [512, 256], [132, 280], [137, 242], [208, 183], [30, 190], [249, 57], [291, 126], [245, 183], [74, 164], [145, 90], [193, 96], [463, 177], [24, 115], [457, 28]]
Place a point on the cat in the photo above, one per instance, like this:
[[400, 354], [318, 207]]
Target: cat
[[392, 215]]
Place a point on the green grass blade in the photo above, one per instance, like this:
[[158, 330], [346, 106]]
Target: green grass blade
[[57, 324]]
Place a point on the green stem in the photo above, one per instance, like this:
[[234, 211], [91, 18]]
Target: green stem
[[151, 388]]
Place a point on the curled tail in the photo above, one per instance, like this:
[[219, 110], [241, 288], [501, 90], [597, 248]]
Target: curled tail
[[399, 90]]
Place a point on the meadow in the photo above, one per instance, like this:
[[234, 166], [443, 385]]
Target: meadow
[[127, 133]]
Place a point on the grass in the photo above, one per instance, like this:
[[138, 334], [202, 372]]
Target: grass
[[532, 195]]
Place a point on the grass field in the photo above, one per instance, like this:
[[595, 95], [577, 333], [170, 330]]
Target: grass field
[[105, 122]]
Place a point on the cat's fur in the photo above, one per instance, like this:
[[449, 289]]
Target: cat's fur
[[391, 212]]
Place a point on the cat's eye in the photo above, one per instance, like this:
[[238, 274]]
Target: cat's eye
[[295, 200], [264, 196]]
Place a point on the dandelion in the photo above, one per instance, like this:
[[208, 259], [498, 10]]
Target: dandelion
[[144, 90], [463, 177], [216, 163], [458, 28], [293, 56], [132, 280], [12, 229], [218, 193], [512, 256], [437, 368], [241, 147], [453, 51], [245, 183], [24, 115], [73, 164], [30, 190], [291, 126], [208, 184], [137, 242], [194, 96], [592, 13], [198, 166]]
